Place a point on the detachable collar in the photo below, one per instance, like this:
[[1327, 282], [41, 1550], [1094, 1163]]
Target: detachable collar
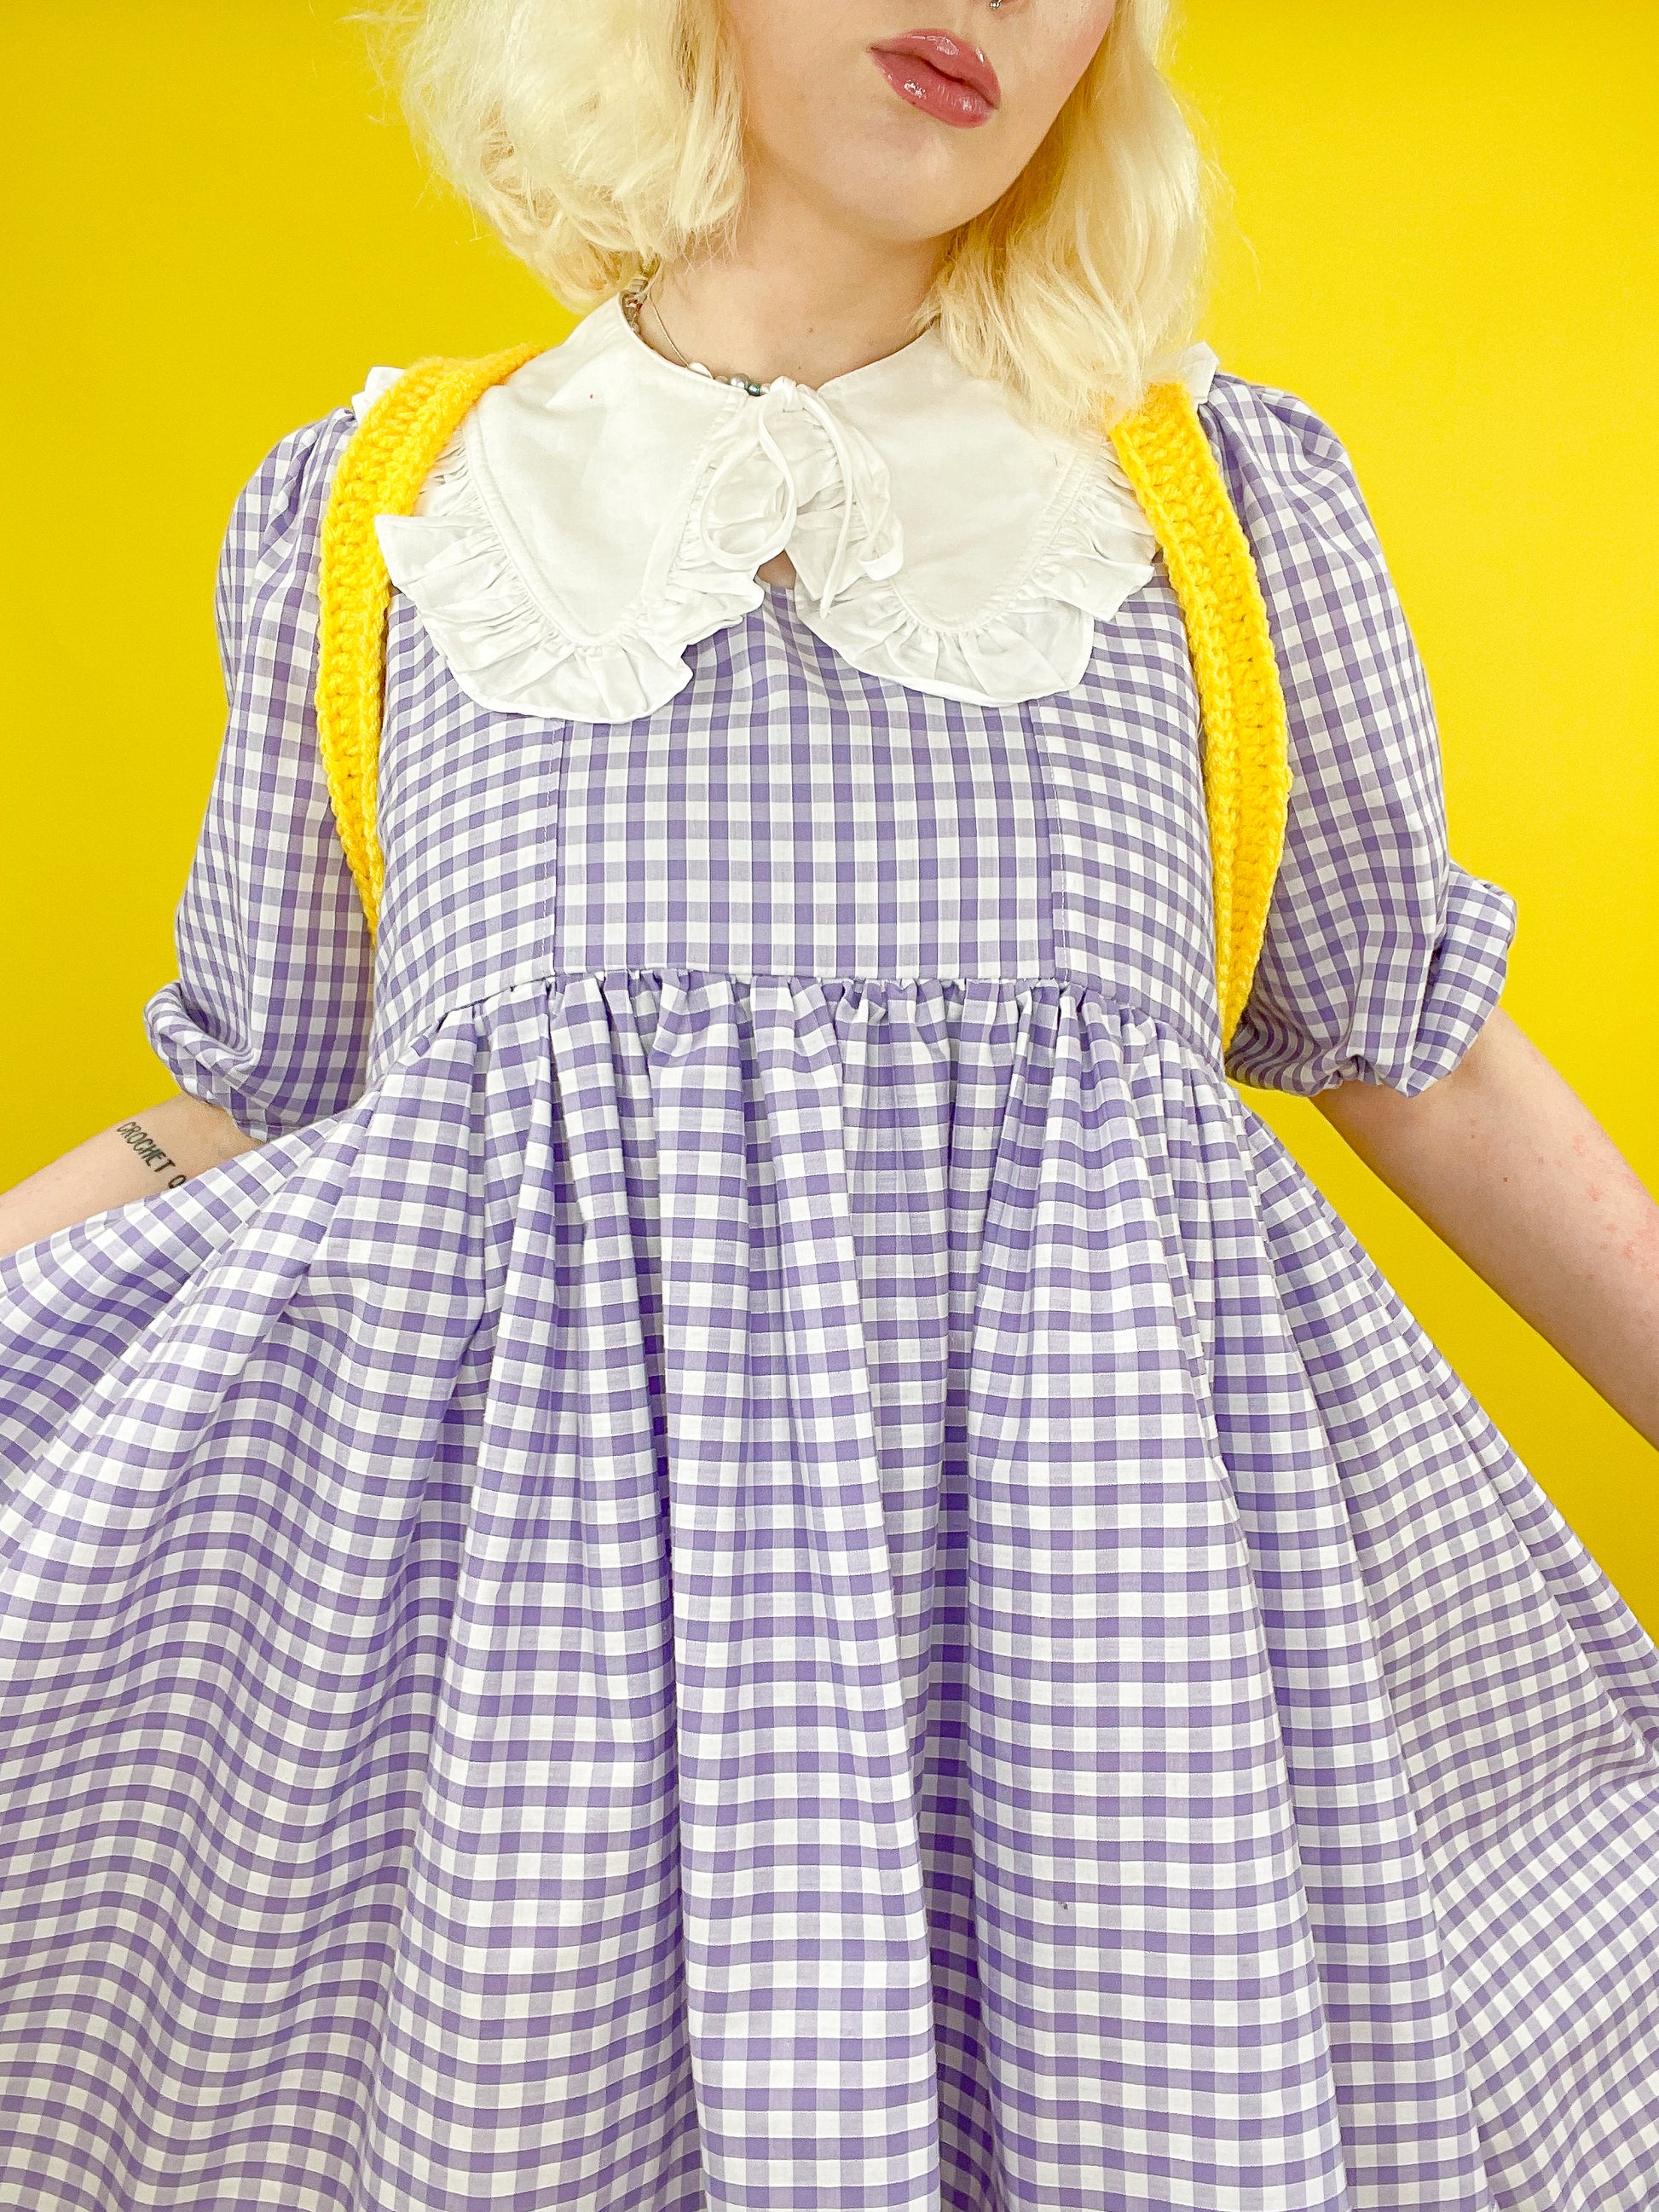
[[603, 509]]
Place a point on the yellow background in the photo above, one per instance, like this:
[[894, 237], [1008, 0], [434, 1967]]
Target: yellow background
[[1443, 237]]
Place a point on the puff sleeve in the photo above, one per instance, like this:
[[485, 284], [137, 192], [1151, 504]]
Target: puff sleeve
[[269, 1015], [1383, 956]]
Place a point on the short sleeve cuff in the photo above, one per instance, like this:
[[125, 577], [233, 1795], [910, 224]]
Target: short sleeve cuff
[[1465, 977], [201, 1064]]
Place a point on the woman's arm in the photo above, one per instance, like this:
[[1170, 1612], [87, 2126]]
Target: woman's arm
[[1507, 1165], [154, 1151]]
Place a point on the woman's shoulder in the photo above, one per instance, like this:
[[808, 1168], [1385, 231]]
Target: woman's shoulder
[[292, 478], [1324, 572], [267, 553], [1277, 443], [284, 495], [278, 512], [1297, 492]]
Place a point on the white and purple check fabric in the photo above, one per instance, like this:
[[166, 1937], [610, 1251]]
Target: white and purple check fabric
[[772, 1556]]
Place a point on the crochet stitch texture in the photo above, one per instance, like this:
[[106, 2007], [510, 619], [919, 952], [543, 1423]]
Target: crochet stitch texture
[[1212, 571], [381, 470], [1163, 452]]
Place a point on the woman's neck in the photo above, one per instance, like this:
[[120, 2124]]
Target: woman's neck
[[794, 296]]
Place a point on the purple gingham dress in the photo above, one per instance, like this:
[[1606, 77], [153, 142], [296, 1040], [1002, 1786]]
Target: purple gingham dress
[[772, 1555]]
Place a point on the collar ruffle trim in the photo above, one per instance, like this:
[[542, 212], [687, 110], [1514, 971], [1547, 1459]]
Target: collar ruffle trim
[[602, 511]]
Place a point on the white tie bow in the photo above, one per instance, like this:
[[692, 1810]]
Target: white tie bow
[[794, 473]]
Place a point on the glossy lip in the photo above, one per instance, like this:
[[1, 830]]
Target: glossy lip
[[968, 92]]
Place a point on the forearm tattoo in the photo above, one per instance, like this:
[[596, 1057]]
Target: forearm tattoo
[[150, 1152]]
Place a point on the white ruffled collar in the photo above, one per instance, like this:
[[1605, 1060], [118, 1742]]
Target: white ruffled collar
[[602, 510]]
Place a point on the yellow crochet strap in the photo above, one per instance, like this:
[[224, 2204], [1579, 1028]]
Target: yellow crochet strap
[[1247, 774], [380, 473]]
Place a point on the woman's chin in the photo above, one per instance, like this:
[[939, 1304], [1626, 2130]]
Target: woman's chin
[[916, 193]]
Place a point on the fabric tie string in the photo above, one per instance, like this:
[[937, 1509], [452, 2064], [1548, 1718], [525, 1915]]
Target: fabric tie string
[[869, 540]]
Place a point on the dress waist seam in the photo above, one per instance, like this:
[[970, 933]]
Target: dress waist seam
[[478, 997]]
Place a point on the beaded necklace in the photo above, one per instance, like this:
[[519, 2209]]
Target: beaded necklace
[[637, 299]]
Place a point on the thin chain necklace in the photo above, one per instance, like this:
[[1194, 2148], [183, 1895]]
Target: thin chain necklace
[[640, 296]]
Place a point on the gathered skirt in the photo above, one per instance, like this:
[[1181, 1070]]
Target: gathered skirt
[[779, 1595]]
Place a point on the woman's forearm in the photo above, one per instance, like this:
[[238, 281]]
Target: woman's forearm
[[1507, 1165], [151, 1151]]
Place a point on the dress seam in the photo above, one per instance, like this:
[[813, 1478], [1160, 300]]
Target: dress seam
[[429, 1021]]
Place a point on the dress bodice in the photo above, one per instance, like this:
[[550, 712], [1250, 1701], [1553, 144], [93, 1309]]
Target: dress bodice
[[786, 815]]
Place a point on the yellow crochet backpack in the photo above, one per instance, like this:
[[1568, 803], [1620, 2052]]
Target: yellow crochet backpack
[[1167, 457]]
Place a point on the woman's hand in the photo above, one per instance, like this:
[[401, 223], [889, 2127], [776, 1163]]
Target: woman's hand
[[1507, 1165], [152, 1152]]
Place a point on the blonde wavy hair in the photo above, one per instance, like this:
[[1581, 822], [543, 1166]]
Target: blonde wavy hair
[[602, 139]]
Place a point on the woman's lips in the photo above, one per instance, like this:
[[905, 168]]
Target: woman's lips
[[939, 73]]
